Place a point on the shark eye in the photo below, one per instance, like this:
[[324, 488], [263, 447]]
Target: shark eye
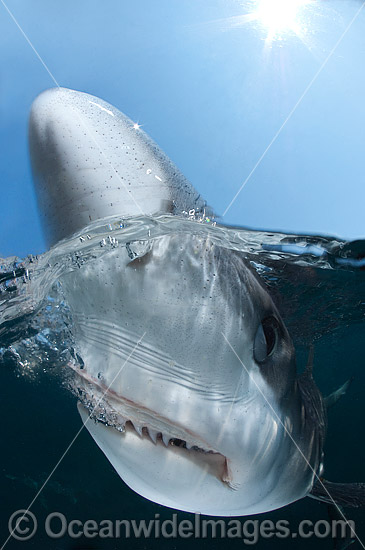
[[265, 339]]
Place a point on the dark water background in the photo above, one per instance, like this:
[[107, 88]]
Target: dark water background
[[321, 297]]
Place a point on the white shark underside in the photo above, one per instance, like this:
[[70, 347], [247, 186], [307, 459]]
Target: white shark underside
[[195, 423]]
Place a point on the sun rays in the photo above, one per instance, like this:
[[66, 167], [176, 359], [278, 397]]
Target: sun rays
[[279, 19]]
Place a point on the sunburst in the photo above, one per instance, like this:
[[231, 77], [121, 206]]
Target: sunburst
[[281, 17], [278, 18]]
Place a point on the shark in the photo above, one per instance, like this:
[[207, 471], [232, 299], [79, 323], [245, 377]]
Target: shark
[[184, 361]]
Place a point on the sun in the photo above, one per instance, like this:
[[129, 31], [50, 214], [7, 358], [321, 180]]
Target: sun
[[280, 17]]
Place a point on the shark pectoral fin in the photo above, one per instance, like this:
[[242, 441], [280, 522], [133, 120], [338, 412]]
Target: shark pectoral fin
[[350, 495], [331, 399]]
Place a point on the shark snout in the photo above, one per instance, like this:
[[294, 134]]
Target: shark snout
[[91, 161]]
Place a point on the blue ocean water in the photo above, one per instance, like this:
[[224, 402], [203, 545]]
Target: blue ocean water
[[318, 284]]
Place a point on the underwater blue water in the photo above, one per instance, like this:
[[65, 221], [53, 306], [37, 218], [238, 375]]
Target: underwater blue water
[[320, 295]]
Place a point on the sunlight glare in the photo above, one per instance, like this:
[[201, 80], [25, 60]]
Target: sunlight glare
[[280, 16]]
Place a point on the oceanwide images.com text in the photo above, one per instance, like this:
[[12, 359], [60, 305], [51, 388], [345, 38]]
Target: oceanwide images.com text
[[23, 525]]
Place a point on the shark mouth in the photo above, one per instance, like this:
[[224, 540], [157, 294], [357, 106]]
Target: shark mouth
[[110, 408]]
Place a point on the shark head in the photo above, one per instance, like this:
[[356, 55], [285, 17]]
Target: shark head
[[187, 365]]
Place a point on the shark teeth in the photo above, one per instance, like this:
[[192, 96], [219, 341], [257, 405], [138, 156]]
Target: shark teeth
[[165, 439], [156, 436], [107, 415], [153, 435], [121, 421], [116, 415], [137, 428]]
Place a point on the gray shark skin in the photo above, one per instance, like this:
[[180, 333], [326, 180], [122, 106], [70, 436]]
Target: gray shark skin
[[187, 363]]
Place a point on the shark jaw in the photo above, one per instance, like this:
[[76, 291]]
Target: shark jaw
[[132, 421], [174, 465]]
